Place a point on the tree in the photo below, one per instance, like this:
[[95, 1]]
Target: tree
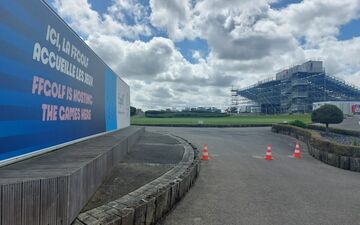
[[132, 111], [327, 114], [231, 110]]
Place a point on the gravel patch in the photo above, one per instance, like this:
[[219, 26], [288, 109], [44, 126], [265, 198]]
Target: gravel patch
[[153, 155], [340, 138]]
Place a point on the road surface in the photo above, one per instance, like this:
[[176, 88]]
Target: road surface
[[349, 123], [238, 187]]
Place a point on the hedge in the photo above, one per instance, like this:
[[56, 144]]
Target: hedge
[[164, 114], [205, 125]]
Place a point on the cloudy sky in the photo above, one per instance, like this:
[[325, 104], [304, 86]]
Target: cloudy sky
[[177, 53]]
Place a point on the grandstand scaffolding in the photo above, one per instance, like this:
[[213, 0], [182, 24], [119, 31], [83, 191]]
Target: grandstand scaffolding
[[295, 89]]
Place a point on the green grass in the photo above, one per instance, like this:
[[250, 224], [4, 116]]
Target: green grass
[[227, 121]]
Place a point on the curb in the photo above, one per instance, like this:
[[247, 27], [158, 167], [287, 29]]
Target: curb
[[202, 125], [151, 202], [337, 155]]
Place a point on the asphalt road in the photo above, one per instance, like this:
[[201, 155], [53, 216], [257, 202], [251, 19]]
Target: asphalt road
[[349, 123], [238, 187]]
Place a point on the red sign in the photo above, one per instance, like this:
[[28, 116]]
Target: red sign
[[355, 108]]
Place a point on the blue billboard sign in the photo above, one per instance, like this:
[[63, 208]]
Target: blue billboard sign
[[53, 88]]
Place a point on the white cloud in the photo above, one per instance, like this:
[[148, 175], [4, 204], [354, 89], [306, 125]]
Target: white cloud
[[82, 18], [160, 95], [80, 15], [340, 58], [247, 39], [155, 61], [136, 60], [316, 20], [197, 55], [174, 16]]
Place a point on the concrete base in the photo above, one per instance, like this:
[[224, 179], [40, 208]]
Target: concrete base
[[54, 187]]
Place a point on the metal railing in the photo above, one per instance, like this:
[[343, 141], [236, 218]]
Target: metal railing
[[299, 82], [299, 94]]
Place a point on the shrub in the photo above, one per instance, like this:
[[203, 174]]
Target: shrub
[[355, 142], [164, 114], [132, 111], [327, 114], [298, 123]]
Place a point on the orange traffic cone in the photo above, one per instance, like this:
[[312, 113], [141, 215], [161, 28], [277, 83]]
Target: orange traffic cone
[[297, 151], [205, 153], [268, 155]]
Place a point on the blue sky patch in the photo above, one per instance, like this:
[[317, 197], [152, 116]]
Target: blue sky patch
[[284, 3], [100, 6], [187, 47], [350, 30]]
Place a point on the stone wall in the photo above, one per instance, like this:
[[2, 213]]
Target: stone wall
[[150, 203], [341, 156]]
